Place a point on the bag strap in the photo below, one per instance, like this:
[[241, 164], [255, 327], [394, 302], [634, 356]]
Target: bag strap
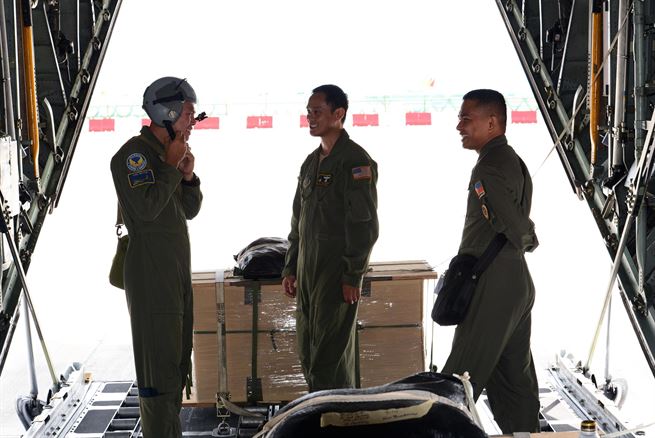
[[489, 254], [119, 220]]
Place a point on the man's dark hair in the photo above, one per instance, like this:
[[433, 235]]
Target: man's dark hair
[[334, 97], [491, 99]]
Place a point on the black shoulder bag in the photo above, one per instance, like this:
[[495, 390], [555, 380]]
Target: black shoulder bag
[[263, 258], [456, 287]]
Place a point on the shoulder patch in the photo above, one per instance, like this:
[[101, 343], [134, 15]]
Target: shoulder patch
[[136, 162], [362, 172], [485, 212], [479, 189], [137, 179]]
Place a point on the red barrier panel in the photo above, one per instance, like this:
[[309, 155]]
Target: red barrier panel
[[208, 123], [304, 123], [524, 116], [417, 119], [365, 120], [145, 122], [259, 122], [100, 125]]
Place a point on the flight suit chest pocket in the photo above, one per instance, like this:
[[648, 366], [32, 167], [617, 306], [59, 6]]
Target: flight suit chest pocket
[[306, 186]]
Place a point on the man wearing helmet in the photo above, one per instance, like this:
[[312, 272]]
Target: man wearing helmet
[[158, 192]]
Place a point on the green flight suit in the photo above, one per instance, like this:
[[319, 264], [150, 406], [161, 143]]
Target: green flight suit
[[156, 204], [333, 229], [493, 341]]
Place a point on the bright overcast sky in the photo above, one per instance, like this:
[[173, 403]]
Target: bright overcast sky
[[247, 48]]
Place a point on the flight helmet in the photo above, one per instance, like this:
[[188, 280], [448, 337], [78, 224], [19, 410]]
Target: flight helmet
[[163, 99]]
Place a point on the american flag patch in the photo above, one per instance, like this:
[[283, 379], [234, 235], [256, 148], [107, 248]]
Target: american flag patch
[[479, 189], [362, 172]]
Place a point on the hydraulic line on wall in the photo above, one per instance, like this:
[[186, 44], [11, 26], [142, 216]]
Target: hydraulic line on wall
[[566, 45], [641, 56], [595, 81], [29, 74], [617, 167]]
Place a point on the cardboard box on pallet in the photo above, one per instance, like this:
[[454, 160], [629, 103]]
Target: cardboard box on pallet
[[389, 353], [390, 333]]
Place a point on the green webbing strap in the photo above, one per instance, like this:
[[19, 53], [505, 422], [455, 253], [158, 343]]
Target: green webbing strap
[[220, 318], [253, 383], [119, 219]]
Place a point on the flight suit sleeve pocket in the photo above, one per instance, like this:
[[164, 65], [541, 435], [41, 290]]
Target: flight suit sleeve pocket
[[358, 206]]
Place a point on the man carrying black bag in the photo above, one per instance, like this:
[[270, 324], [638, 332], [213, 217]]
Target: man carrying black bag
[[492, 343]]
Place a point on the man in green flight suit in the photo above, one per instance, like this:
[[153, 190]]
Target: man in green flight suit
[[158, 191], [333, 228], [492, 343]]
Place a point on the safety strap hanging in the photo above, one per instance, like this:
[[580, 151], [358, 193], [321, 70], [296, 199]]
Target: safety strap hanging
[[119, 220]]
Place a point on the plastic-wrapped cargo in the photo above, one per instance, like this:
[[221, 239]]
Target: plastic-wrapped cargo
[[426, 405], [256, 324]]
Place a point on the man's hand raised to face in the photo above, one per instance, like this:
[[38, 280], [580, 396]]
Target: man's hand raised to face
[[176, 149], [186, 165]]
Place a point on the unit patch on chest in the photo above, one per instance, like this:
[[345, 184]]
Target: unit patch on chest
[[136, 162], [324, 179], [137, 179]]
